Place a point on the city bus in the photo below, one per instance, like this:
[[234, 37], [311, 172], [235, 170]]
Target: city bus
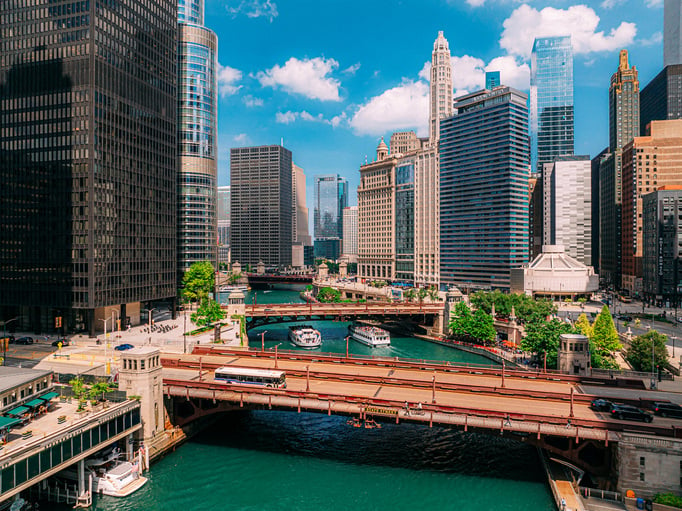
[[251, 376]]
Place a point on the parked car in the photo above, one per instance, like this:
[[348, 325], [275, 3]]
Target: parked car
[[65, 342], [123, 347], [625, 317], [24, 340], [601, 405], [627, 412], [667, 409]]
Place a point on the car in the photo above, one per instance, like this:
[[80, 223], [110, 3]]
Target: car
[[627, 412], [625, 317], [667, 409], [123, 347], [601, 405], [65, 342], [24, 340]]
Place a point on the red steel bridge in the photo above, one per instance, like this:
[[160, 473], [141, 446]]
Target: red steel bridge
[[545, 409], [273, 278]]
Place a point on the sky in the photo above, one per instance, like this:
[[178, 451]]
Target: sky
[[329, 78]]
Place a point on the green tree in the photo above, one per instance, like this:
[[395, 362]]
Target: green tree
[[433, 294], [97, 391], [526, 308], [198, 281], [543, 337], [410, 294], [476, 326], [421, 294], [583, 325], [208, 312], [329, 295], [639, 354], [234, 278], [604, 334]]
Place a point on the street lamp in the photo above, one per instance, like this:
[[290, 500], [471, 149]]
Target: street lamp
[[149, 321], [105, 336], [672, 338], [348, 337], [4, 338], [276, 346], [262, 340]]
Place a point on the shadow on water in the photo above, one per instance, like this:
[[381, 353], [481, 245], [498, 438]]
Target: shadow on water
[[407, 446]]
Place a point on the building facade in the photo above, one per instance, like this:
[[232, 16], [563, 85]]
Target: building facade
[[223, 215], [661, 99], [331, 196], [551, 100], [261, 208], [595, 165], [441, 86], [649, 162], [672, 38], [299, 226], [404, 219], [350, 233], [197, 238], [484, 172], [661, 251], [427, 217], [87, 161], [492, 79], [403, 142], [567, 187], [376, 222]]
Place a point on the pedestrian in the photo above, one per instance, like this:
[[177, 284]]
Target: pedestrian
[[507, 421], [407, 408], [563, 504]]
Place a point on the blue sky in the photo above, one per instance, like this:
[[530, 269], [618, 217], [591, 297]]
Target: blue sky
[[331, 77]]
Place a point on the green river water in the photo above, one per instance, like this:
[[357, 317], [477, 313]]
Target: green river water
[[267, 460]]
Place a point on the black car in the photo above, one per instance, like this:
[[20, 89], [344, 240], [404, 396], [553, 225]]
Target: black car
[[601, 405], [667, 409], [624, 317], [627, 412], [24, 340], [65, 342]]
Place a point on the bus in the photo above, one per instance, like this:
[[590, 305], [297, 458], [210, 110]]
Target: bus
[[251, 376]]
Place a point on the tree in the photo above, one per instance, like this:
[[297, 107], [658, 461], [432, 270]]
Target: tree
[[421, 294], [604, 334], [526, 308], [208, 312], [198, 281], [543, 338], [433, 294], [97, 391], [639, 353], [329, 295], [474, 326], [598, 358], [583, 325], [410, 294], [234, 278]]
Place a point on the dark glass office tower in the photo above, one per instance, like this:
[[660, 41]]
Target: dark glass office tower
[[551, 100], [331, 196], [484, 173], [87, 160], [261, 207], [661, 99]]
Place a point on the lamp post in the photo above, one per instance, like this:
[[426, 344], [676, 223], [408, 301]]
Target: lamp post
[[276, 346], [105, 337], [4, 338], [348, 337], [184, 332], [262, 340], [114, 311], [672, 338], [150, 317], [307, 378]]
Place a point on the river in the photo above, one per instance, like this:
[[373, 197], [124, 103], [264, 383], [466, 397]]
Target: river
[[272, 461]]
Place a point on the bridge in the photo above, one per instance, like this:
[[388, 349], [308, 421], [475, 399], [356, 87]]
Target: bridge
[[275, 278], [260, 315], [544, 409]]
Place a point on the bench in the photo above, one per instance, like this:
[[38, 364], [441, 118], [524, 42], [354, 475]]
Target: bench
[[27, 434], [61, 419], [67, 356]]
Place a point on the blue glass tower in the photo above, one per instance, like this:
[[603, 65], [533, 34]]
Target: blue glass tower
[[404, 220], [551, 100], [331, 196], [484, 171], [197, 152]]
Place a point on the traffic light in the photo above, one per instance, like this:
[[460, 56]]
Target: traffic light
[[58, 322]]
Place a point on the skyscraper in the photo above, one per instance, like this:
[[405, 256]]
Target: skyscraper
[[197, 124], [492, 79], [261, 208], [661, 99], [484, 171], [223, 215], [623, 127], [299, 228], [672, 38], [441, 86], [87, 161], [404, 219], [331, 196], [551, 100], [350, 233]]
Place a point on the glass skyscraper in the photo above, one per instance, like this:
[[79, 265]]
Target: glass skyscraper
[[484, 171], [551, 100], [197, 124], [87, 161], [331, 196], [404, 220]]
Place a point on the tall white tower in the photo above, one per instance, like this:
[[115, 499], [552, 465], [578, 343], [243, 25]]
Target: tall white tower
[[441, 86]]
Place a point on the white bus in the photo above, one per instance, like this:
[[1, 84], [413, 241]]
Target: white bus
[[251, 376]]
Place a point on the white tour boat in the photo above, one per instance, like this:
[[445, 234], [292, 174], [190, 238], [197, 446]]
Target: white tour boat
[[305, 336], [370, 335]]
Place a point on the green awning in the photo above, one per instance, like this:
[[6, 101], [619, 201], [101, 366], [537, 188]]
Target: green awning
[[35, 403], [49, 395], [7, 422], [19, 410]]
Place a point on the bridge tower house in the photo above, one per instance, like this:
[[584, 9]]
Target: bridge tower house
[[140, 375], [452, 297], [573, 355]]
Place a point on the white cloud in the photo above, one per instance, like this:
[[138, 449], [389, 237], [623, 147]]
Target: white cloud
[[511, 72], [467, 72], [578, 21], [289, 117], [351, 70], [610, 4], [338, 120], [403, 107], [475, 3], [227, 76], [250, 101], [307, 77], [654, 3], [425, 73], [286, 117], [254, 9], [242, 138], [656, 38]]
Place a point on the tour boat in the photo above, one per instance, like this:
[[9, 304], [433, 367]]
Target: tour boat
[[305, 336], [370, 335], [236, 287]]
